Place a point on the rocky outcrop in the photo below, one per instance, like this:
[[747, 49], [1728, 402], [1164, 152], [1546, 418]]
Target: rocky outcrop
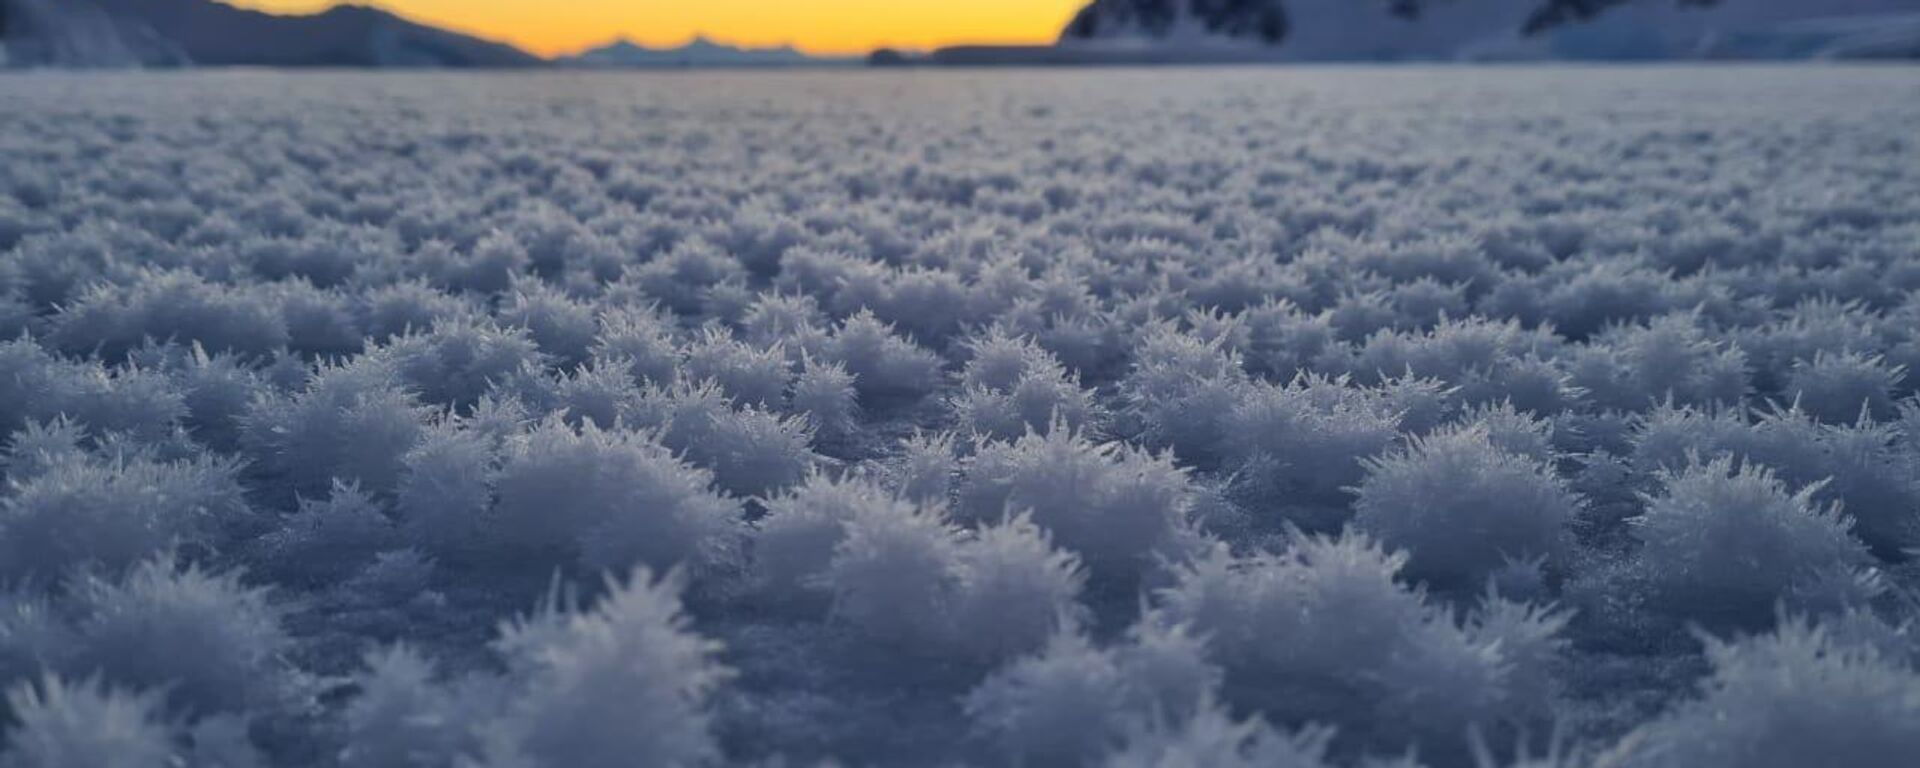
[[1255, 21]]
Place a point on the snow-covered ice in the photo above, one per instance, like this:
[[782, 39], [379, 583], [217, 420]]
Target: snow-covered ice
[[1283, 417]]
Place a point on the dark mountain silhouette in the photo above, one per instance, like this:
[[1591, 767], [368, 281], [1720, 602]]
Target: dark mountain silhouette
[[209, 33]]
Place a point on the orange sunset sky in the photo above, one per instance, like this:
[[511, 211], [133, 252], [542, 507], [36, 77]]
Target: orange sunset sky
[[550, 27]]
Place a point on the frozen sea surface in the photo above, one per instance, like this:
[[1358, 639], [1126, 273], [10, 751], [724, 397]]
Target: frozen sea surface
[[1282, 417]]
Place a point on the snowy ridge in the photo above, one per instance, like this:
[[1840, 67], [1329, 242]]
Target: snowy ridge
[[1316, 30]]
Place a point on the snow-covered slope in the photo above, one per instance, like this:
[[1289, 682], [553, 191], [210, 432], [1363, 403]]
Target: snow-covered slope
[[1880, 36], [1495, 29], [68, 33]]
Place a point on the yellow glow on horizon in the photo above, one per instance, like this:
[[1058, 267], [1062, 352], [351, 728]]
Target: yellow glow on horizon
[[550, 27]]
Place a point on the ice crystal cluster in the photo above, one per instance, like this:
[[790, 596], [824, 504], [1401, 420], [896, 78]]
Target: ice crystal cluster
[[1330, 417]]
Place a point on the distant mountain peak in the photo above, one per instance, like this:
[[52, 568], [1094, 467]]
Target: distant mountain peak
[[699, 51], [623, 44]]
